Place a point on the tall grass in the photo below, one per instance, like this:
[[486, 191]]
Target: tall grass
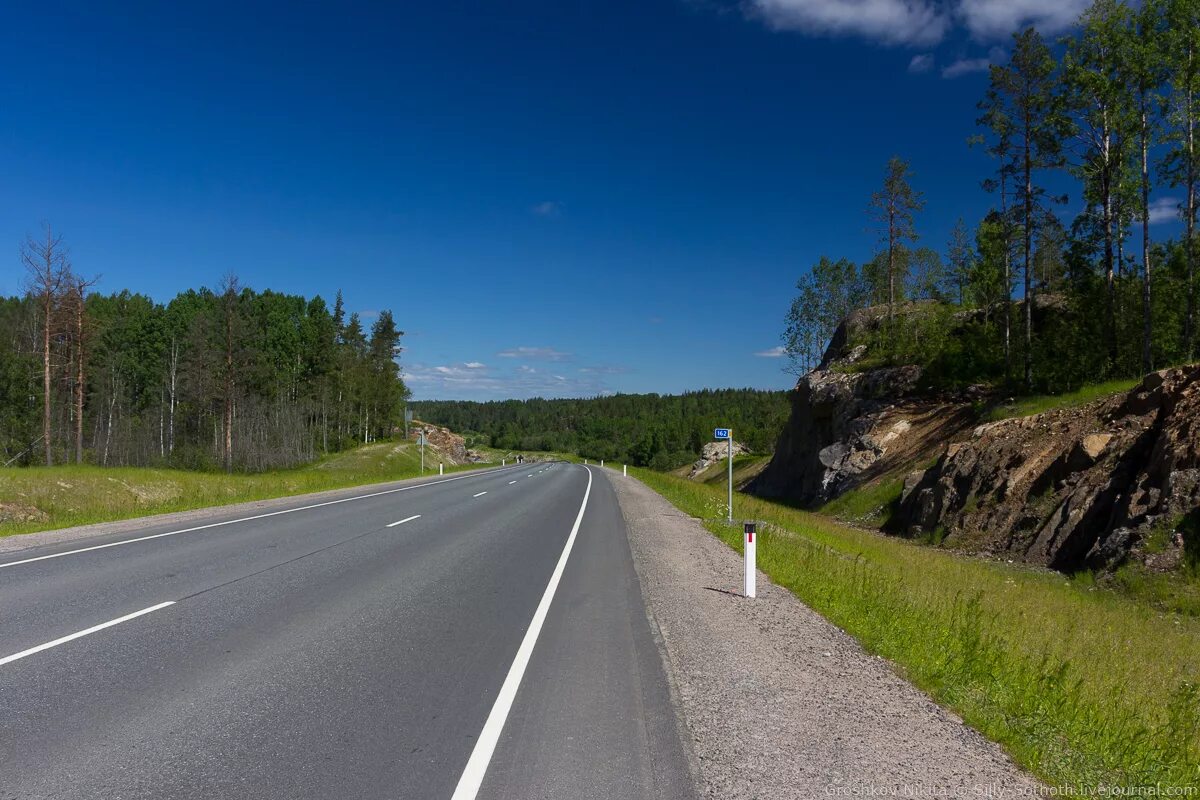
[[1037, 404], [79, 495], [1083, 687]]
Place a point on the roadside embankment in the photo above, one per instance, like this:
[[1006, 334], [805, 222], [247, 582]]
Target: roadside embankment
[[47, 498], [777, 701], [1081, 686]]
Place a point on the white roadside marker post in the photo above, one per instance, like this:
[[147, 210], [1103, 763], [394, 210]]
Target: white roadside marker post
[[441, 468], [585, 462], [602, 462], [625, 470], [503, 462], [749, 552]]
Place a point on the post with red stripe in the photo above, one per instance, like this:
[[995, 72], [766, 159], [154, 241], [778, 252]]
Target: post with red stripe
[[750, 546]]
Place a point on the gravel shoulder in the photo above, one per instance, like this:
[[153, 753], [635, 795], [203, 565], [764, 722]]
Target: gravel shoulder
[[779, 703]]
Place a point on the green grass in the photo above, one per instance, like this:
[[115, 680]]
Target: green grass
[[871, 503], [80, 495], [1082, 686], [1037, 404]]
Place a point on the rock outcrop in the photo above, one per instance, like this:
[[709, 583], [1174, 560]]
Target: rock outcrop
[[1071, 488], [850, 425], [449, 445], [714, 452]]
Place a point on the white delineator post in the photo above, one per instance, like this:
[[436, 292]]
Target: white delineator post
[[602, 462], [441, 468], [503, 462], [625, 470], [749, 554]]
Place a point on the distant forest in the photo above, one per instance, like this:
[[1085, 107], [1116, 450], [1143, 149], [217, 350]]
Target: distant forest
[[659, 431], [228, 378], [1025, 298]]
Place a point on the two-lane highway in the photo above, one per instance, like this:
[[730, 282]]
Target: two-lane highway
[[478, 635]]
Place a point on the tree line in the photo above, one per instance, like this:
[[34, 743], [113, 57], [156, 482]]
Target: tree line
[[226, 377], [659, 431], [1115, 107]]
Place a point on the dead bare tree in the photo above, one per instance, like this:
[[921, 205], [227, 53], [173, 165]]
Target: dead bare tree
[[77, 290], [46, 266]]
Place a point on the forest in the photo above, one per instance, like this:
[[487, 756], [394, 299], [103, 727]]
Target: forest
[[1026, 299], [658, 431], [228, 378]]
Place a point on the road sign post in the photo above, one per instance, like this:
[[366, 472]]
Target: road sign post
[[421, 442], [727, 435], [748, 552]]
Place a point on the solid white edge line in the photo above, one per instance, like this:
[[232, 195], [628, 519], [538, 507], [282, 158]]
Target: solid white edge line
[[485, 745], [80, 634], [406, 519], [240, 519], [481, 494]]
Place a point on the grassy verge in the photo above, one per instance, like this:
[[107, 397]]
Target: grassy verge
[[58, 497], [872, 503], [1036, 404], [1083, 687]]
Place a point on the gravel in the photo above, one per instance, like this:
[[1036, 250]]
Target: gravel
[[778, 702]]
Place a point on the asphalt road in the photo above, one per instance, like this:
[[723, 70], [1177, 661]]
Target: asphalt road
[[494, 644]]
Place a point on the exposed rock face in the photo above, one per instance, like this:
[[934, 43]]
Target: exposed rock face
[[713, 452], [849, 427], [451, 446], [1072, 487]]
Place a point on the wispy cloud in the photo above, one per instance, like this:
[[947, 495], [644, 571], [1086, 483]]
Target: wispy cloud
[[608, 369], [995, 20], [1164, 209], [921, 63], [473, 380], [896, 22], [965, 66], [774, 352], [535, 354], [916, 22], [548, 208]]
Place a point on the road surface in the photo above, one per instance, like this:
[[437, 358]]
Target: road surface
[[479, 635]]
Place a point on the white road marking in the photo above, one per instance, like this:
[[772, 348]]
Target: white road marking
[[485, 745], [233, 521], [406, 519], [481, 494], [528, 476], [80, 634], [510, 483]]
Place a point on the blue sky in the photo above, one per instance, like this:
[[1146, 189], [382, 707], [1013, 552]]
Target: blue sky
[[555, 197]]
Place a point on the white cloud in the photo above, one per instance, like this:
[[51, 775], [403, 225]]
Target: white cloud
[[473, 381], [535, 354], [922, 62], [1164, 209], [965, 66], [774, 352], [548, 208], [897, 22], [992, 20], [916, 22]]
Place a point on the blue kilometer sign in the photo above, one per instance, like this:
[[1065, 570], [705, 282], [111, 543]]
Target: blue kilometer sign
[[721, 433]]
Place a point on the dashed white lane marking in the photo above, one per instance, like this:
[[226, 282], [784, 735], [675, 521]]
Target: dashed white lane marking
[[80, 634], [402, 521], [239, 519], [481, 494], [510, 483]]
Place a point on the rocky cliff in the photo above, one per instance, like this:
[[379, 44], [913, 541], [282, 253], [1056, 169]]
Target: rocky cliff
[[850, 425], [1089, 486], [1071, 488]]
